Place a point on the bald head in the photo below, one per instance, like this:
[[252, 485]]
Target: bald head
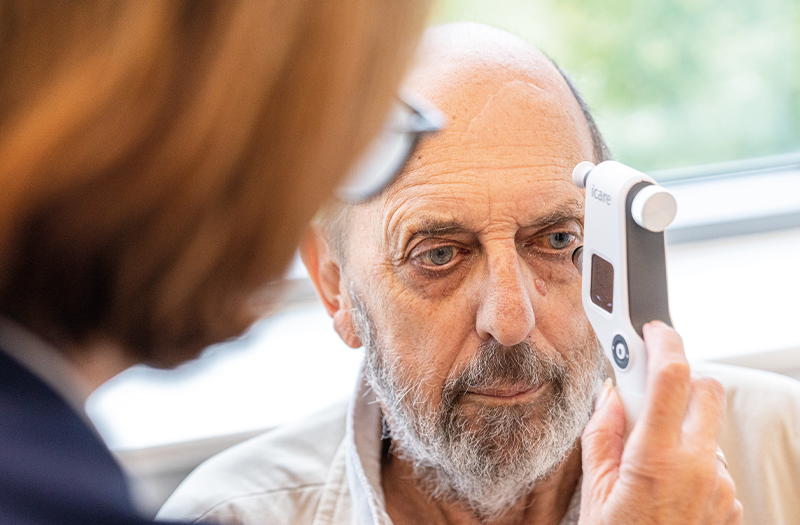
[[462, 66], [465, 63]]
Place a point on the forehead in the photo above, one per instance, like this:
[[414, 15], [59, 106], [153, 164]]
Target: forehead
[[507, 155]]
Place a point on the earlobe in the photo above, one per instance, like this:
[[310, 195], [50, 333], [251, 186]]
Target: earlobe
[[322, 270], [343, 324], [325, 274]]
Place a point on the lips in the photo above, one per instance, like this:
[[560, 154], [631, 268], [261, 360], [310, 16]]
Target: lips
[[505, 393]]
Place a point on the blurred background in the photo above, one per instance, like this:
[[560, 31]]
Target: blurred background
[[672, 83], [703, 94]]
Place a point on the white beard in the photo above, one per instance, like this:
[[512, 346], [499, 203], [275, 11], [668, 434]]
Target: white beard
[[485, 458]]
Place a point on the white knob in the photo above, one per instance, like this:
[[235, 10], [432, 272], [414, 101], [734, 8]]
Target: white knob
[[654, 208], [581, 172]]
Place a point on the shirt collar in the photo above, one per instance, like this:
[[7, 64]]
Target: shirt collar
[[363, 456]]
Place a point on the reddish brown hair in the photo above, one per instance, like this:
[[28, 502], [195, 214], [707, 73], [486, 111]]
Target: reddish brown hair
[[159, 159]]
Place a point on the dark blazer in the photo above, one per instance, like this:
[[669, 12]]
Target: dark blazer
[[53, 467]]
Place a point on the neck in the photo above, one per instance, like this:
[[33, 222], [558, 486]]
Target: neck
[[73, 372], [97, 363], [547, 503]]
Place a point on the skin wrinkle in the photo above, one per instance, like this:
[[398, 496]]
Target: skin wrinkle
[[413, 193], [395, 216], [447, 167], [398, 236], [432, 226], [489, 101], [425, 182]]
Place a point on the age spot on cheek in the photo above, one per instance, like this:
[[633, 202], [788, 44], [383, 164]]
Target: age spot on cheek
[[541, 286]]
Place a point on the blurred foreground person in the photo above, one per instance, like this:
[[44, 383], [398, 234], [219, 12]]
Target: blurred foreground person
[[158, 161]]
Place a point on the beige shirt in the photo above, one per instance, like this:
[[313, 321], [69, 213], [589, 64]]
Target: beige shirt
[[325, 470], [761, 440]]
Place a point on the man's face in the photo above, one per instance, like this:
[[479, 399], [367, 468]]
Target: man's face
[[466, 297]]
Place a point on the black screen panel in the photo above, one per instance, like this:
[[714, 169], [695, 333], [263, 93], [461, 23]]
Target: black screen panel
[[602, 288]]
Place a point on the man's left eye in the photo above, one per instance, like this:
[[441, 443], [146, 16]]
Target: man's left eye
[[560, 240]]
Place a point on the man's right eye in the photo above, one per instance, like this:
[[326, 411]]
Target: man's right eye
[[439, 256]]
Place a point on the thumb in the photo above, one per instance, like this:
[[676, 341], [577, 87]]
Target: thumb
[[602, 444]]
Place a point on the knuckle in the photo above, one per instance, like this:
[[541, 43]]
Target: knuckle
[[717, 389], [673, 336], [594, 435], [674, 373], [711, 388], [707, 478], [667, 334], [737, 513], [727, 490], [705, 474]]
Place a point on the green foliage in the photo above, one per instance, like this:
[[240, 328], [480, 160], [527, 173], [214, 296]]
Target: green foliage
[[671, 82]]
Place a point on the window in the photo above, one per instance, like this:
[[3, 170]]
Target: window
[[672, 83]]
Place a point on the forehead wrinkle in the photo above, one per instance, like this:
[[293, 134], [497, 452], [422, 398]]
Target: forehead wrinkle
[[438, 159], [545, 211], [501, 89], [572, 208], [453, 152], [548, 207], [416, 198]]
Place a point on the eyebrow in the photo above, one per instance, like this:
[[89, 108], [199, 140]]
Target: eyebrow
[[566, 211], [432, 226]]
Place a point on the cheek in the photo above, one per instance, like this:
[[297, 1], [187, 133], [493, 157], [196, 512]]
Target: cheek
[[558, 272], [425, 338], [435, 286], [561, 316]]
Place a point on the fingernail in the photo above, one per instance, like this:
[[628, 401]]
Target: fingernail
[[604, 393]]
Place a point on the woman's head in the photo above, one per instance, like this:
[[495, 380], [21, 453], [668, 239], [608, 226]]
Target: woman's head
[[159, 159]]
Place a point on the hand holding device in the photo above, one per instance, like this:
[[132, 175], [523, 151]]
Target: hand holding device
[[673, 457], [668, 471], [624, 267]]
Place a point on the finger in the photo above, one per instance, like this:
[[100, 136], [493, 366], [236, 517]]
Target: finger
[[724, 502], [668, 383], [602, 444], [706, 411]]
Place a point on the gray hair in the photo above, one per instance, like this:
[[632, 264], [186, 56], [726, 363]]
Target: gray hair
[[601, 151]]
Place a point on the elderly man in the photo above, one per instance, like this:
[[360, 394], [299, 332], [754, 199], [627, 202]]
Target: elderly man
[[481, 370]]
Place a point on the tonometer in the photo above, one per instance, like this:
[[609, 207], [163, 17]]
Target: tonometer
[[624, 269]]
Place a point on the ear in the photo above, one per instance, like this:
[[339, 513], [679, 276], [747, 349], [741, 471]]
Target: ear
[[325, 273]]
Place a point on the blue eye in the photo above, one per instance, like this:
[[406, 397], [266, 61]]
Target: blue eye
[[560, 240], [440, 256]]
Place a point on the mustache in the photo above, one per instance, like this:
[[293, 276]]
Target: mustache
[[495, 365]]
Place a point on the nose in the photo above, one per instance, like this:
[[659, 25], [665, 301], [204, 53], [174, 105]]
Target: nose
[[505, 312]]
